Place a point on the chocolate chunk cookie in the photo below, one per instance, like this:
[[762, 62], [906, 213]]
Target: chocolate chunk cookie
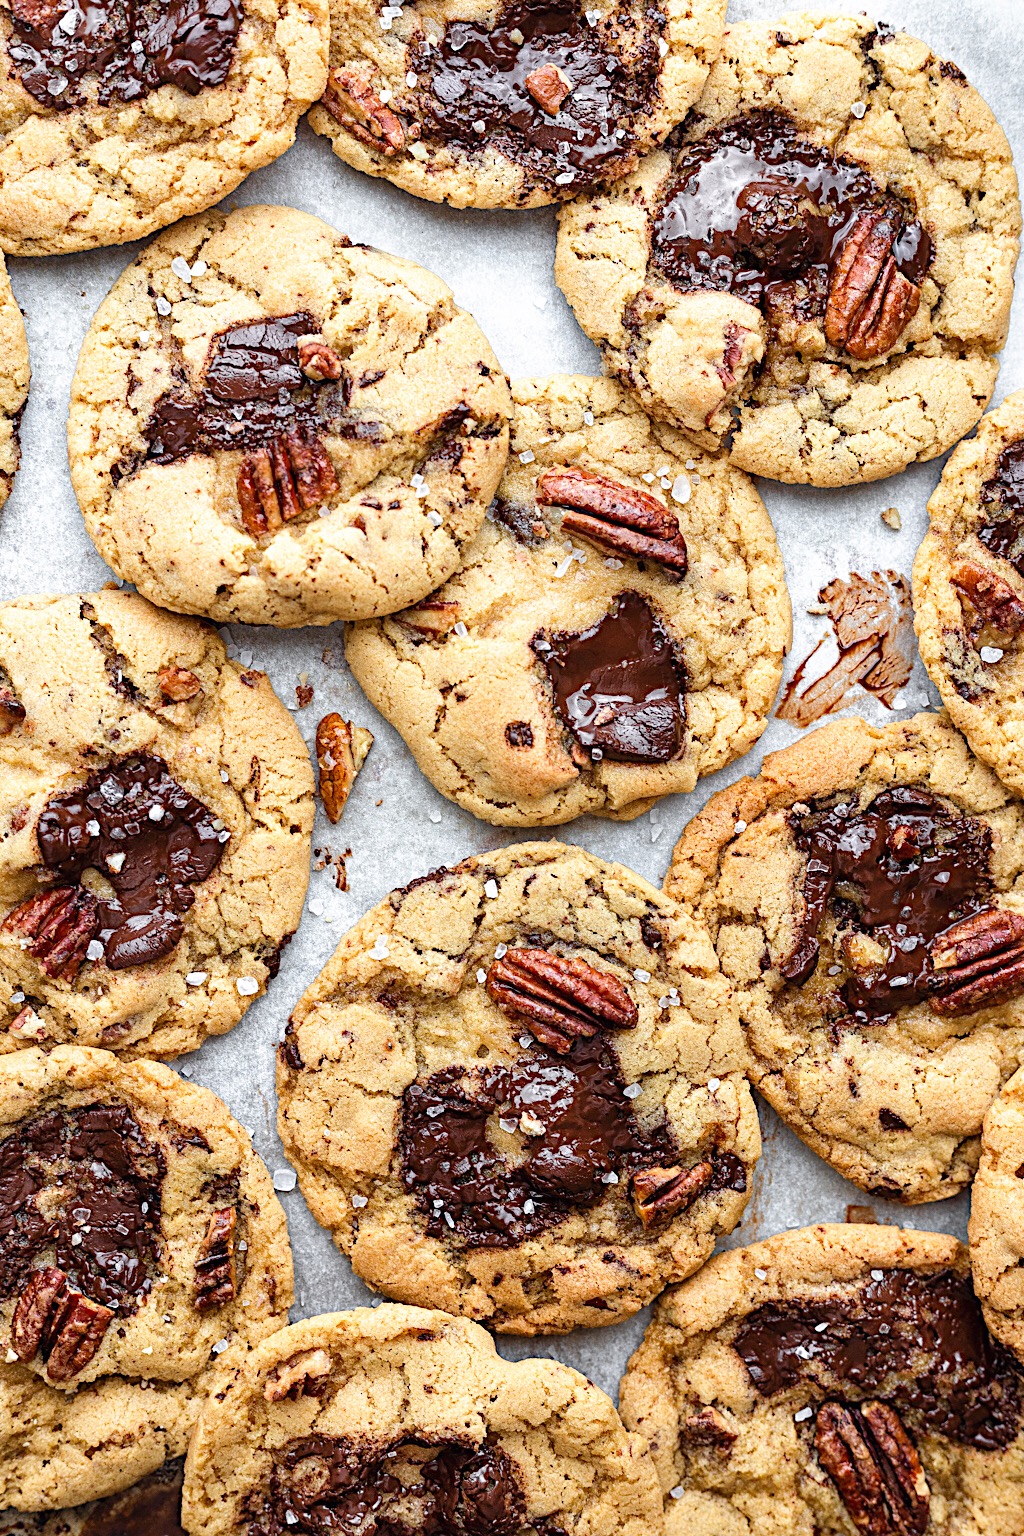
[[510, 105], [617, 628], [142, 1249], [997, 1217], [271, 424], [838, 1380], [156, 804], [517, 1091], [820, 260], [866, 897], [149, 1508], [120, 116], [969, 591], [14, 374], [409, 1417]]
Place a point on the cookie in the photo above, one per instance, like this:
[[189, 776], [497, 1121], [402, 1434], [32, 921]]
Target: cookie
[[144, 1249], [14, 374], [517, 1091], [149, 1508], [156, 805], [865, 895], [513, 105], [411, 1415], [119, 119], [270, 424], [819, 261], [969, 590], [835, 1379], [997, 1217], [617, 628]]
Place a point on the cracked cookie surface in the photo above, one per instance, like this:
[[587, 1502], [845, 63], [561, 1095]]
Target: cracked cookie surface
[[841, 319], [144, 1250], [997, 1213], [834, 1379], [270, 424], [866, 898], [120, 119], [969, 590], [151, 1507], [510, 105], [612, 537], [411, 1414], [552, 1023], [156, 803], [14, 377]]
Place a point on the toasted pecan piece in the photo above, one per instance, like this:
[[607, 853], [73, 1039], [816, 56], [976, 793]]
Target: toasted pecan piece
[[870, 302], [292, 1377], [433, 616], [661, 1193], [977, 963], [57, 1321], [276, 483], [341, 749], [355, 105], [615, 516], [562, 999], [178, 684], [215, 1267], [549, 86], [709, 1427], [318, 361], [875, 1466], [994, 612], [58, 926]]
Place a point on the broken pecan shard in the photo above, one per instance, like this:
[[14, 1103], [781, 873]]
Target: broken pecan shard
[[355, 105], [876, 1469], [661, 1193], [58, 926], [12, 712], [341, 749], [708, 1427], [290, 1378], [615, 516], [290, 476], [27, 1025], [178, 684], [977, 963], [563, 999], [215, 1266], [58, 1322], [318, 361], [431, 617], [994, 612], [549, 86], [870, 302]]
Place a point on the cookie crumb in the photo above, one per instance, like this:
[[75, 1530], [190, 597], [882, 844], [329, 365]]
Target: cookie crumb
[[891, 518]]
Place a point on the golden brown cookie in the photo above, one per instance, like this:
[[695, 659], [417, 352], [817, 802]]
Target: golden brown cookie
[[151, 1507], [997, 1217], [14, 376]]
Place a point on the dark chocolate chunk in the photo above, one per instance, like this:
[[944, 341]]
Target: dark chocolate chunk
[[619, 686], [915, 1340], [1004, 495]]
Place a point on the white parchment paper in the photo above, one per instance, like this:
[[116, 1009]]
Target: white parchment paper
[[397, 825]]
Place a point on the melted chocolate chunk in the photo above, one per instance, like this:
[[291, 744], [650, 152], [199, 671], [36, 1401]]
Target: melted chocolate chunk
[[68, 52], [149, 838], [753, 204], [475, 89], [916, 1341], [322, 1484], [82, 1186], [253, 391], [467, 1188], [902, 871], [619, 685], [1004, 494], [151, 1508]]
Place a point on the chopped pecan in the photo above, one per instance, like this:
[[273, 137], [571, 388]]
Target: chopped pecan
[[661, 1193], [862, 953], [355, 105], [562, 999], [318, 361], [27, 1025], [58, 1322], [876, 1469], [431, 617], [977, 962], [994, 612], [289, 1379], [277, 483], [708, 1427], [57, 927], [870, 302], [615, 516], [12, 711], [341, 749], [178, 684], [215, 1266], [549, 86]]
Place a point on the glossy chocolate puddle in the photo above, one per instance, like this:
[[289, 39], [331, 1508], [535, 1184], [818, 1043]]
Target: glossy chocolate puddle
[[1003, 497], [475, 94], [899, 872], [914, 1340], [68, 52]]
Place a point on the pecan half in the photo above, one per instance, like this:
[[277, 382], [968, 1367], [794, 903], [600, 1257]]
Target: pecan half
[[341, 749], [318, 361], [875, 1466], [870, 302], [60, 1323], [994, 612], [977, 962], [355, 105], [291, 1377], [277, 483], [615, 516], [215, 1266], [661, 1193], [178, 684], [708, 1427], [12, 711], [563, 999], [57, 926], [549, 86]]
